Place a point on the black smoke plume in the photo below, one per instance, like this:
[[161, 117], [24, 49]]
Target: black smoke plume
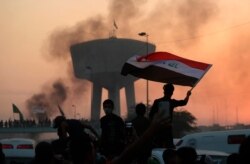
[[176, 18]]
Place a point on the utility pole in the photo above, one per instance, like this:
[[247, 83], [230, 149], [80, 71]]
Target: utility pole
[[147, 87]]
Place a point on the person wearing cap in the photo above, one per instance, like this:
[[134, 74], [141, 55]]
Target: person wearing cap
[[166, 103]]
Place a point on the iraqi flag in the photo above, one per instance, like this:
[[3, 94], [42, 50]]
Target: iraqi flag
[[167, 68]]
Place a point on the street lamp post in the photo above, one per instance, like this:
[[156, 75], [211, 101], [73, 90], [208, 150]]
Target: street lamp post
[[147, 87]]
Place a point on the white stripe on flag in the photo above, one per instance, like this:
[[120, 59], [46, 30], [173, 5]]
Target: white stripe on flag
[[172, 65], [167, 68]]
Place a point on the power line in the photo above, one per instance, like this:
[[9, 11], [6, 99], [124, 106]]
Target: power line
[[209, 34]]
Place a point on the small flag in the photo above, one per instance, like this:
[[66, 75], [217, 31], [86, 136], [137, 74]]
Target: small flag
[[115, 25], [167, 68], [15, 109]]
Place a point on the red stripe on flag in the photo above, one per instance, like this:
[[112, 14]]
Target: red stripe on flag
[[156, 56]]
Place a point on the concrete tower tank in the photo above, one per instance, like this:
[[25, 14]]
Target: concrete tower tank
[[100, 61]]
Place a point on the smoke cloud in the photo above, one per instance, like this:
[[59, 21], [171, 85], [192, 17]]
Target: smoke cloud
[[46, 102], [175, 19]]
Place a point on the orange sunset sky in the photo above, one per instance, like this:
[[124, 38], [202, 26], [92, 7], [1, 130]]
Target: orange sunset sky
[[35, 37]]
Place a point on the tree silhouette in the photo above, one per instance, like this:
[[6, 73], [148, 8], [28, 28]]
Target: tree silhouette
[[183, 122]]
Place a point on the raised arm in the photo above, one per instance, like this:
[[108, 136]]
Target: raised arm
[[91, 129], [158, 123], [187, 96]]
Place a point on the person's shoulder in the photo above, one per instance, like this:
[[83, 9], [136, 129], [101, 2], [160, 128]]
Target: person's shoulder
[[74, 121], [156, 101], [103, 118], [116, 116], [159, 99]]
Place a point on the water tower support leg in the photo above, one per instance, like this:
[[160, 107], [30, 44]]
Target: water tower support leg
[[96, 102], [130, 97], [114, 94]]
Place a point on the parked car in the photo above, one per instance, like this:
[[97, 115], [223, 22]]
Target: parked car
[[216, 156], [19, 150], [225, 141]]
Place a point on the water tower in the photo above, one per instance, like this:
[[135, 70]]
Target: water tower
[[100, 61]]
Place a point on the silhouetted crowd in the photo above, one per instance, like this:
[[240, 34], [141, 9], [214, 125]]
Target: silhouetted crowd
[[122, 142], [119, 143], [27, 123]]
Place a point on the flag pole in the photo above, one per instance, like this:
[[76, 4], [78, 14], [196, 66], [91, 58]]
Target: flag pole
[[201, 77], [13, 113], [60, 110], [147, 83]]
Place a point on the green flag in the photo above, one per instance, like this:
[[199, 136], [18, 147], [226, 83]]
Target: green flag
[[15, 109]]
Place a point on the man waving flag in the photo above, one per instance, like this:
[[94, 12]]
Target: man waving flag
[[167, 68]]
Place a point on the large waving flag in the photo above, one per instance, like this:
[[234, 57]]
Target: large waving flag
[[167, 68]]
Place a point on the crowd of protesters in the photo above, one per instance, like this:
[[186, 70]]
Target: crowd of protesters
[[122, 142], [75, 146], [119, 142], [78, 143], [26, 123]]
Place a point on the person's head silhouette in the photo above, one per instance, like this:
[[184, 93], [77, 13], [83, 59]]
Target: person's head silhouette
[[168, 90], [108, 106], [140, 109]]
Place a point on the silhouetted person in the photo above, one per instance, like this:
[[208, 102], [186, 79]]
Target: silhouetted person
[[140, 122], [169, 156], [82, 152], [60, 146], [244, 151], [158, 123], [112, 135], [2, 155], [205, 159], [233, 158], [165, 137], [44, 154], [186, 155], [72, 128]]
